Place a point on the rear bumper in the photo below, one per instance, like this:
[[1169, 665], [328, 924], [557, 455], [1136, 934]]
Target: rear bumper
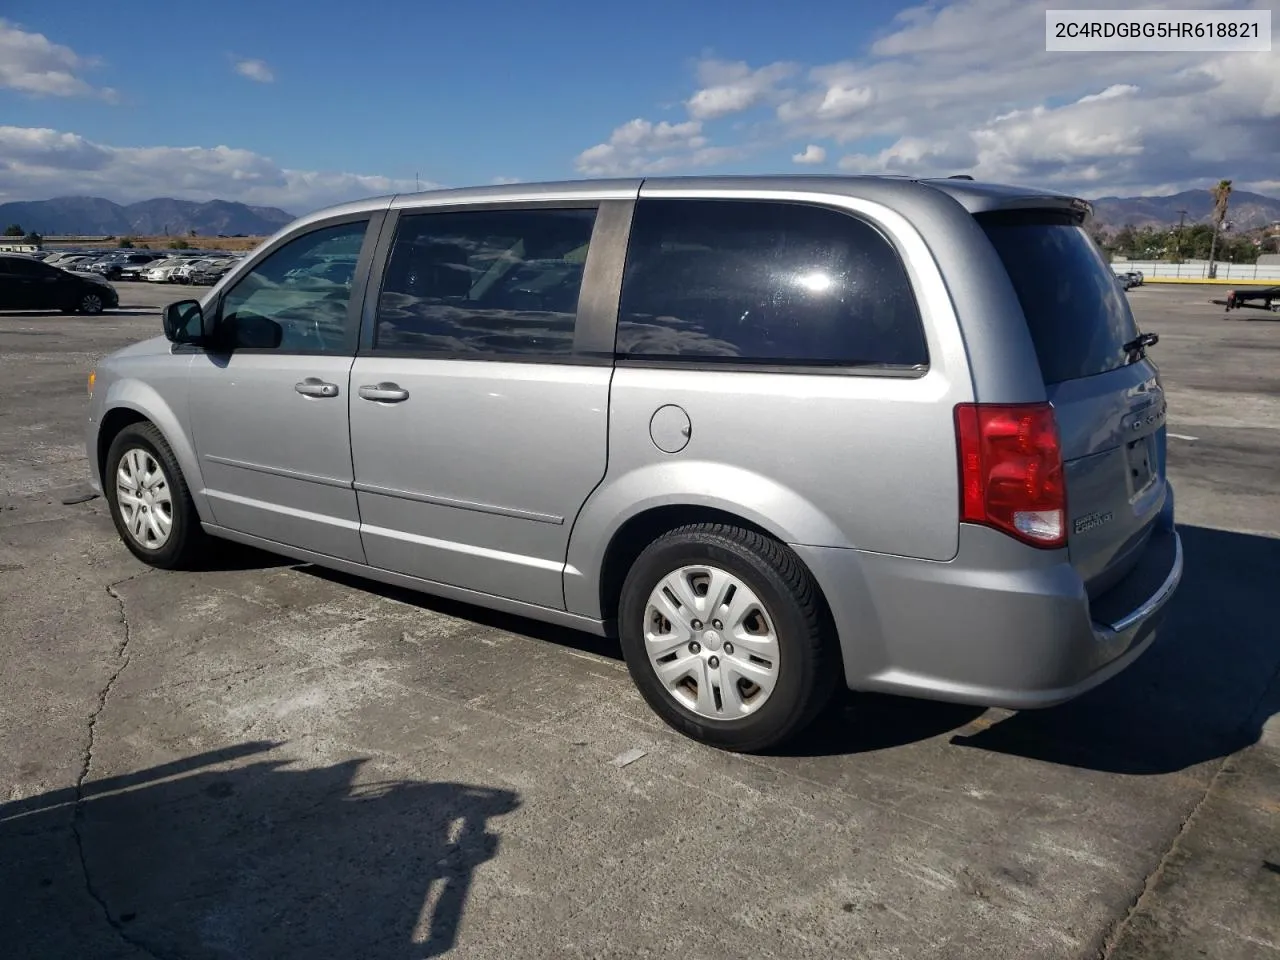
[[1000, 625]]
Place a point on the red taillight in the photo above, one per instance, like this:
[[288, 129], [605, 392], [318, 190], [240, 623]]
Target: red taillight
[[1011, 471]]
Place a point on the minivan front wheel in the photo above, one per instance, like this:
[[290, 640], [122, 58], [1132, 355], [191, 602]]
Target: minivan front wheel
[[149, 500], [726, 636]]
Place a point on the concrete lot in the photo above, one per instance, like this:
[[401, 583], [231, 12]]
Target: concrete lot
[[267, 760]]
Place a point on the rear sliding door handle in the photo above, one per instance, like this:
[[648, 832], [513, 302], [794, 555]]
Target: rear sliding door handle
[[383, 392], [315, 387]]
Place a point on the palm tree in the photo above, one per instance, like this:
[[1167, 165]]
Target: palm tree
[[1221, 197]]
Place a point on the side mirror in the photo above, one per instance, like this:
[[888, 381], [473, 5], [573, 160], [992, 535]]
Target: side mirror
[[184, 322]]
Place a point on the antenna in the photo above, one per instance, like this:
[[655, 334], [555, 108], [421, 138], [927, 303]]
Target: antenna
[[416, 188]]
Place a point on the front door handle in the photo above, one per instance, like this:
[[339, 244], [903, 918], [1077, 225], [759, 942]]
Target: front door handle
[[383, 392], [315, 387]]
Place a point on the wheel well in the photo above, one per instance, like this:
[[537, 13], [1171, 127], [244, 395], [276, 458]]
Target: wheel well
[[640, 531], [113, 422]]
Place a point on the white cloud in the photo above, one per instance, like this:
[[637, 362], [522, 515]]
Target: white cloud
[[641, 147], [840, 102], [1113, 91], [31, 63], [500, 181], [38, 163], [255, 70], [810, 155], [907, 152], [967, 87], [734, 87]]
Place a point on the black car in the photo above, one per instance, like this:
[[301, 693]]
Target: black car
[[28, 284]]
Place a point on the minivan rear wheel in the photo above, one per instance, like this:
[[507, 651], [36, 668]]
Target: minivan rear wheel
[[726, 636]]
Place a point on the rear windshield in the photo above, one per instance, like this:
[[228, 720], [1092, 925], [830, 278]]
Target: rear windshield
[[1077, 313]]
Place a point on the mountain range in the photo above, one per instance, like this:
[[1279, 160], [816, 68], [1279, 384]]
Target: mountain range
[[94, 216], [1246, 211], [90, 216]]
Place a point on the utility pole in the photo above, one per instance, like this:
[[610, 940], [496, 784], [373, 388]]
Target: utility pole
[[1182, 219]]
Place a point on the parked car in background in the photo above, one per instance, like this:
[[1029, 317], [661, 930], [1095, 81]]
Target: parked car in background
[[211, 272], [162, 271], [114, 268], [93, 264], [65, 260], [137, 271], [30, 284], [184, 270], [779, 434]]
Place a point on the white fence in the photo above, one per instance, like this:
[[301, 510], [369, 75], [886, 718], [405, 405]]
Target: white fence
[[1199, 270]]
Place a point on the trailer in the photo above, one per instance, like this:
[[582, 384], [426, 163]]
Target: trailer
[[1268, 298]]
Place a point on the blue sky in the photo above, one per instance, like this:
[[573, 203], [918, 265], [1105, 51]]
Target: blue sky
[[300, 104]]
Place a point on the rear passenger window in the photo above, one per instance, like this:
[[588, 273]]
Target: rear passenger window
[[484, 283], [765, 282]]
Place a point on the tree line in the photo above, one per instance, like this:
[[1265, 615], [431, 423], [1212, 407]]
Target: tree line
[[1192, 242], [27, 236]]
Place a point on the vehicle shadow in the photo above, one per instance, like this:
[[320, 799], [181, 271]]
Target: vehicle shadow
[[866, 722], [225, 555], [1203, 690], [510, 623], [231, 853]]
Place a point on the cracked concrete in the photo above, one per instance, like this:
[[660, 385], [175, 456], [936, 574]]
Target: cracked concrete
[[122, 660], [1151, 882], [267, 760]]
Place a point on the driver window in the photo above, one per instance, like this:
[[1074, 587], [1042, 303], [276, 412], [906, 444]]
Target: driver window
[[304, 287], [484, 283]]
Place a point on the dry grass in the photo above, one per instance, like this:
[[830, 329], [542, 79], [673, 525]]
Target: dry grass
[[162, 243]]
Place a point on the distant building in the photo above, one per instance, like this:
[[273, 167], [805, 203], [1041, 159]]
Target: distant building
[[19, 248], [1269, 259]]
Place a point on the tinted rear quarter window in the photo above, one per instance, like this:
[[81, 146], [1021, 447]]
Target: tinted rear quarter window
[[1077, 313], [745, 281]]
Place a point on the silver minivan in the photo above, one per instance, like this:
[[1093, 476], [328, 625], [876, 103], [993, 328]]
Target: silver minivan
[[777, 434]]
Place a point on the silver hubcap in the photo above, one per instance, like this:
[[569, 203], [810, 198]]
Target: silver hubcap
[[91, 303], [711, 642], [144, 498]]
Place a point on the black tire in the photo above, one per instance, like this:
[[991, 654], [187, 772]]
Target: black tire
[[187, 541], [808, 668], [90, 303]]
